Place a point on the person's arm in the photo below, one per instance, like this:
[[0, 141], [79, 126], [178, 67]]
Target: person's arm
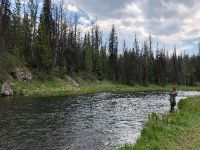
[[175, 93], [170, 92]]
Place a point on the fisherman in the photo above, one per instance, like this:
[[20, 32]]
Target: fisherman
[[172, 99]]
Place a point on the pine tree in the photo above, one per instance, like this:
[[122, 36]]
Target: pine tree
[[87, 57], [138, 61], [43, 53], [113, 50], [33, 9], [197, 66], [150, 60], [104, 60], [174, 69], [5, 15], [145, 70], [47, 16], [96, 40], [70, 54], [17, 45], [26, 38]]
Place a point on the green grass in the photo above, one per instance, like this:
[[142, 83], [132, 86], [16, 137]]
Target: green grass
[[54, 86], [7, 64], [174, 131]]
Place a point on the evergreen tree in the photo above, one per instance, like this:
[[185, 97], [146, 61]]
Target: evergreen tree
[[26, 38], [70, 57], [96, 40], [43, 53], [87, 57], [113, 50], [17, 45], [197, 64], [47, 18], [150, 60], [33, 9], [174, 69], [104, 60], [145, 69], [138, 65], [5, 15]]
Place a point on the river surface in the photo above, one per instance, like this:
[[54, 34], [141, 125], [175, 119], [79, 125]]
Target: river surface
[[95, 122]]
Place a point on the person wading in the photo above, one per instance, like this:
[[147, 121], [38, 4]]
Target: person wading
[[172, 99]]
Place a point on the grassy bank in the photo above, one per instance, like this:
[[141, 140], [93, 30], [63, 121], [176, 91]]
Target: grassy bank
[[175, 131], [58, 87]]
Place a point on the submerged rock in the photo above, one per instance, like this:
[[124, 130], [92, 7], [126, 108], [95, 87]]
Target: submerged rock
[[6, 89], [71, 81], [22, 74]]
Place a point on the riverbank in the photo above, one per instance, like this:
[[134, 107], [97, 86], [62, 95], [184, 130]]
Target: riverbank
[[180, 130], [55, 86]]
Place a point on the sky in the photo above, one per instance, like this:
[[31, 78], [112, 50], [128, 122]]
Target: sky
[[168, 21]]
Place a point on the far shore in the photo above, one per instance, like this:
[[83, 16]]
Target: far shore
[[60, 87]]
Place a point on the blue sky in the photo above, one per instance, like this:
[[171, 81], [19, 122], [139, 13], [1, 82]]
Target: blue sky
[[168, 21]]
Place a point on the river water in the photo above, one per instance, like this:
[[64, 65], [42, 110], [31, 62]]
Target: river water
[[100, 121]]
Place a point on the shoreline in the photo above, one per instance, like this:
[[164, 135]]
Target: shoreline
[[60, 87]]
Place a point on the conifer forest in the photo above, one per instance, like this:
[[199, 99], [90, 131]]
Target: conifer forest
[[49, 39]]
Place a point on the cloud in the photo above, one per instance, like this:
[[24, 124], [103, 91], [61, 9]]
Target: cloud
[[101, 9], [168, 21], [72, 8]]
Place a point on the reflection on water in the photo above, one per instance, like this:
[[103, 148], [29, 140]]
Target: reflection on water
[[100, 121]]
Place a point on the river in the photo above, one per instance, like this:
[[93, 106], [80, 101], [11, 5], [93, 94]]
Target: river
[[101, 121]]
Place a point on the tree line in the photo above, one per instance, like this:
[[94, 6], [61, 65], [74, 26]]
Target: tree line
[[50, 40]]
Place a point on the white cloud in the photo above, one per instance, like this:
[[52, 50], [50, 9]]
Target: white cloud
[[72, 8], [132, 9]]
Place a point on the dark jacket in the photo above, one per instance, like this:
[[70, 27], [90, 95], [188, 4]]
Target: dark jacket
[[172, 94]]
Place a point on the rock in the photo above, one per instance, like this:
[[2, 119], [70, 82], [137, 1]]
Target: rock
[[22, 74], [6, 89], [71, 81]]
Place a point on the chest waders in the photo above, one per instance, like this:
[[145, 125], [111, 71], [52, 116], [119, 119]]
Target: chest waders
[[172, 102]]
